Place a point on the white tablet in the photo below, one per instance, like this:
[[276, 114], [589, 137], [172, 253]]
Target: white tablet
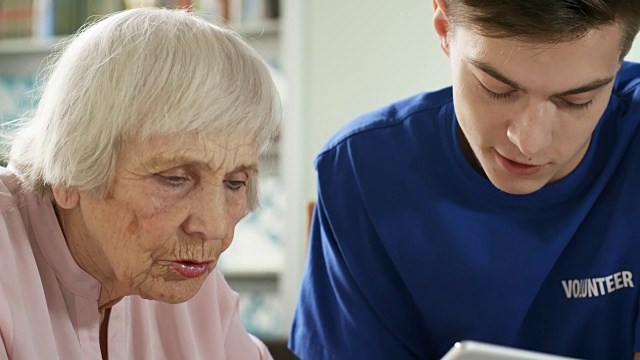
[[474, 350]]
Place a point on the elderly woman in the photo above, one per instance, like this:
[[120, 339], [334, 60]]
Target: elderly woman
[[125, 187]]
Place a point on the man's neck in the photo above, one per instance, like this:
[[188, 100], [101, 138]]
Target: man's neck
[[468, 153]]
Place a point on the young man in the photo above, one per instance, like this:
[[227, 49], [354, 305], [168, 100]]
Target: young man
[[504, 209]]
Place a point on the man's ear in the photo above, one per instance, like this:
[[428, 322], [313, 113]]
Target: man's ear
[[441, 24], [66, 198]]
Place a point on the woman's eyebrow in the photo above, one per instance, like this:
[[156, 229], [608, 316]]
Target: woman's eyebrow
[[159, 162], [250, 168]]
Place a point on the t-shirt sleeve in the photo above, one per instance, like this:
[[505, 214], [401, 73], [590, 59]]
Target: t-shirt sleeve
[[628, 78], [353, 303]]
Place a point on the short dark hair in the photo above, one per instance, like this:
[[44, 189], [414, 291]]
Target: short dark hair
[[546, 21]]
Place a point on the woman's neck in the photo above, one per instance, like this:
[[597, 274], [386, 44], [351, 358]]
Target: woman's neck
[[89, 256]]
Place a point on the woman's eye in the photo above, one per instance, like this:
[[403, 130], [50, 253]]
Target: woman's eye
[[174, 181], [235, 185]]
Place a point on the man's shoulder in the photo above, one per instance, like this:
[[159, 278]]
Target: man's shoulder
[[426, 105], [628, 79], [627, 93]]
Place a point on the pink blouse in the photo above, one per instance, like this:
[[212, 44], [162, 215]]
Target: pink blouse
[[49, 305]]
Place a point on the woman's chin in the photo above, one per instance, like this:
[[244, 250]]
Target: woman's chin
[[174, 292]]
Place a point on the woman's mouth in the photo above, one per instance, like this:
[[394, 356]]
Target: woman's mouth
[[191, 269]]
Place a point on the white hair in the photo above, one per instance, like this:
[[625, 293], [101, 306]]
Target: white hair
[[141, 72]]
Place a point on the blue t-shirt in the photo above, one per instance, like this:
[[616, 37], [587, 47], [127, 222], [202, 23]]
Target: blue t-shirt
[[412, 250]]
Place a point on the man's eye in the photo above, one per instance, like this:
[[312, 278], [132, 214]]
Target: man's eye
[[496, 95], [581, 106], [235, 185]]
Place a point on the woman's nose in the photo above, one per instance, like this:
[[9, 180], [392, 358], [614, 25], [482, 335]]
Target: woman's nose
[[209, 216]]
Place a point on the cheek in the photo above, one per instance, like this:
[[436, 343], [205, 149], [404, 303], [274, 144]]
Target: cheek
[[575, 133], [576, 127], [133, 227], [156, 222], [158, 209], [236, 207], [158, 201], [468, 101], [476, 116], [236, 210]]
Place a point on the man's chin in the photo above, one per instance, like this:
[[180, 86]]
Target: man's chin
[[517, 186]]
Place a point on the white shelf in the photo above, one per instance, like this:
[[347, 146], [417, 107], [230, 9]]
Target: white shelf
[[20, 46], [241, 281], [257, 29], [250, 274]]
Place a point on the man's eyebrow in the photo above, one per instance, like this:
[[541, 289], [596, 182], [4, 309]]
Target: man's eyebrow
[[595, 84], [493, 72]]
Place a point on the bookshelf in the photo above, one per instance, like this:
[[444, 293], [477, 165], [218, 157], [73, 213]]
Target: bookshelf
[[50, 18], [37, 45], [30, 29], [24, 56], [25, 46]]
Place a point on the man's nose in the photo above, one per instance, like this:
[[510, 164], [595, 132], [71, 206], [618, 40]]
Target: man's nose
[[532, 130]]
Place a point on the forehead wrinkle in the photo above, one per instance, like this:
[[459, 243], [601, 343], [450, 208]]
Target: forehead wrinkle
[[201, 152], [534, 56], [510, 54], [163, 161], [251, 169]]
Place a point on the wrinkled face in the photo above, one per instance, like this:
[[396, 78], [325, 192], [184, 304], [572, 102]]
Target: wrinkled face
[[170, 213], [527, 112]]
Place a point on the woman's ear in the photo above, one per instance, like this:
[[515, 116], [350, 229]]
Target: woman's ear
[[441, 24], [66, 198]]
